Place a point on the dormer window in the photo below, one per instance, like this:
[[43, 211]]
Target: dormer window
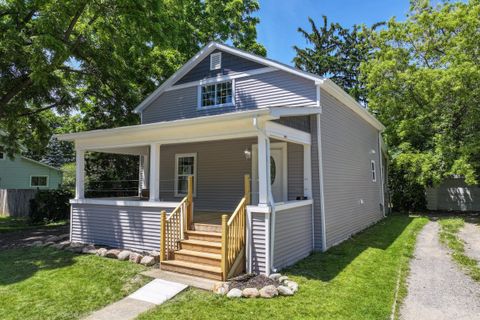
[[216, 61], [216, 95]]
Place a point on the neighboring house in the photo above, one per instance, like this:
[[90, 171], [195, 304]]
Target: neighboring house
[[313, 154], [24, 173], [453, 194]]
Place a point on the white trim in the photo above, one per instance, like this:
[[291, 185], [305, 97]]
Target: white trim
[[322, 189], [154, 185], [215, 106], [126, 203], [284, 133], [185, 155], [292, 204], [79, 174], [39, 176], [293, 111], [382, 174], [221, 78], [307, 171], [259, 209], [373, 170]]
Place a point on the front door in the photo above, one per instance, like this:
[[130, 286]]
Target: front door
[[278, 172]]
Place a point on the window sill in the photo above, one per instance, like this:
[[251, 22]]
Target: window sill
[[217, 106]]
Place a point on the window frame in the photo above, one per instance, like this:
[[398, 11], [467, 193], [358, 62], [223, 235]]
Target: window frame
[[373, 170], [216, 105], [176, 175], [39, 176]]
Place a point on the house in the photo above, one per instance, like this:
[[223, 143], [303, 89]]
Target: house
[[20, 178], [24, 173], [246, 164]]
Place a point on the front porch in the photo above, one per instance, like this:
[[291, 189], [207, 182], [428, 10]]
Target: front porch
[[214, 156]]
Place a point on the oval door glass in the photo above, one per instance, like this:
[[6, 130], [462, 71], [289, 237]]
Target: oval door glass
[[273, 170]]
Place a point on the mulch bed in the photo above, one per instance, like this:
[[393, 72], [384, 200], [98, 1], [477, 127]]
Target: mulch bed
[[23, 238], [251, 281]]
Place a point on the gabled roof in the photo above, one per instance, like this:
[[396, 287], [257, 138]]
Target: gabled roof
[[40, 163], [325, 83]]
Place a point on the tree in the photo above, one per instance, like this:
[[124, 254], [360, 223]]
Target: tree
[[423, 84], [337, 53], [101, 57]]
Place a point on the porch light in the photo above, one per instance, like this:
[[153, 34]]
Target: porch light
[[247, 153]]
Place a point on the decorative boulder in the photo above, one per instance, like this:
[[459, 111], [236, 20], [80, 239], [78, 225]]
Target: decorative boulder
[[124, 255], [102, 252], [220, 288], [250, 293], [292, 285], [148, 261], [234, 293], [268, 292], [155, 255], [275, 276], [37, 243], [285, 291], [112, 253], [282, 278], [135, 257], [75, 247], [90, 249], [60, 245]]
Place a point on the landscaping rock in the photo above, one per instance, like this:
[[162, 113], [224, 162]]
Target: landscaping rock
[[221, 288], [285, 291], [75, 247], [292, 285], [90, 249], [60, 245], [282, 278], [148, 261], [48, 244], [268, 292], [37, 243], [63, 236], [155, 255], [124, 255], [135, 257], [53, 238], [234, 293], [102, 252], [112, 253], [275, 276], [250, 293]]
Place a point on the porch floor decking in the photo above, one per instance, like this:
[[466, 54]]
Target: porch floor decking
[[209, 217]]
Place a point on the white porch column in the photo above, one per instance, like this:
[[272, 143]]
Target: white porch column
[[80, 174], [263, 168], [154, 172], [145, 171], [307, 171]]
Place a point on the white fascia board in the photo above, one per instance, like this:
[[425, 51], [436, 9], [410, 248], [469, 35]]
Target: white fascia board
[[160, 125], [284, 133], [125, 203], [350, 102]]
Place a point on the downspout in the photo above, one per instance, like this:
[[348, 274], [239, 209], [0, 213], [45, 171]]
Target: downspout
[[271, 203], [382, 178], [320, 171]]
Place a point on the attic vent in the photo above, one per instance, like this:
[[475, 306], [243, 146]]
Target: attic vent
[[215, 61]]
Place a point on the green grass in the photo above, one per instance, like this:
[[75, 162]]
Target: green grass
[[355, 280], [449, 228], [9, 224], [43, 283]]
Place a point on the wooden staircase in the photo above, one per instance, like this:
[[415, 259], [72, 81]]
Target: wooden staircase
[[203, 250]]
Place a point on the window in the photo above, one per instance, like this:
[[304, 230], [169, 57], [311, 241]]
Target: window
[[39, 181], [2, 155], [185, 166], [374, 173], [215, 61], [216, 95]]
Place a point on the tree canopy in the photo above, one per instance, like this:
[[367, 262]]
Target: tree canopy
[[96, 59], [423, 84]]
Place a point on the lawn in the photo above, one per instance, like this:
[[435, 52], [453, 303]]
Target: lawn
[[43, 283], [9, 224], [355, 280]]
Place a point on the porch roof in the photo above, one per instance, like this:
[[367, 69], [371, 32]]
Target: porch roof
[[217, 127]]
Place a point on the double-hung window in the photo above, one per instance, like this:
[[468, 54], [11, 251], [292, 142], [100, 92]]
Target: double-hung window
[[39, 181], [216, 95], [185, 166], [373, 170]]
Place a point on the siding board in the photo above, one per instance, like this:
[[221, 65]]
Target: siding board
[[259, 242]]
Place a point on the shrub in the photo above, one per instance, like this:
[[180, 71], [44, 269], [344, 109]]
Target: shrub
[[50, 206]]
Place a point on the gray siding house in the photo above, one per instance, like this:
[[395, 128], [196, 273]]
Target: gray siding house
[[311, 155]]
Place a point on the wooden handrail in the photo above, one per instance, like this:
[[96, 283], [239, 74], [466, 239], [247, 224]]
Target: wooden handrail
[[234, 232], [172, 229]]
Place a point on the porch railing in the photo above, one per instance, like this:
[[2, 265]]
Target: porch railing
[[234, 234], [175, 224]]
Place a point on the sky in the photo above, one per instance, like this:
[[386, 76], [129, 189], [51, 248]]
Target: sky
[[280, 19]]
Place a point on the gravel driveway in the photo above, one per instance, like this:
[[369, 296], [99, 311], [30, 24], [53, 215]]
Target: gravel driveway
[[470, 234], [437, 288]]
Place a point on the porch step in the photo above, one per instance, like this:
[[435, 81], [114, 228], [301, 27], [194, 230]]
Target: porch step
[[196, 269], [204, 227], [212, 259], [203, 246], [204, 236]]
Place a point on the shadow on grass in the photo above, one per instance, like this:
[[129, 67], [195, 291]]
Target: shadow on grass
[[327, 265], [20, 264]]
